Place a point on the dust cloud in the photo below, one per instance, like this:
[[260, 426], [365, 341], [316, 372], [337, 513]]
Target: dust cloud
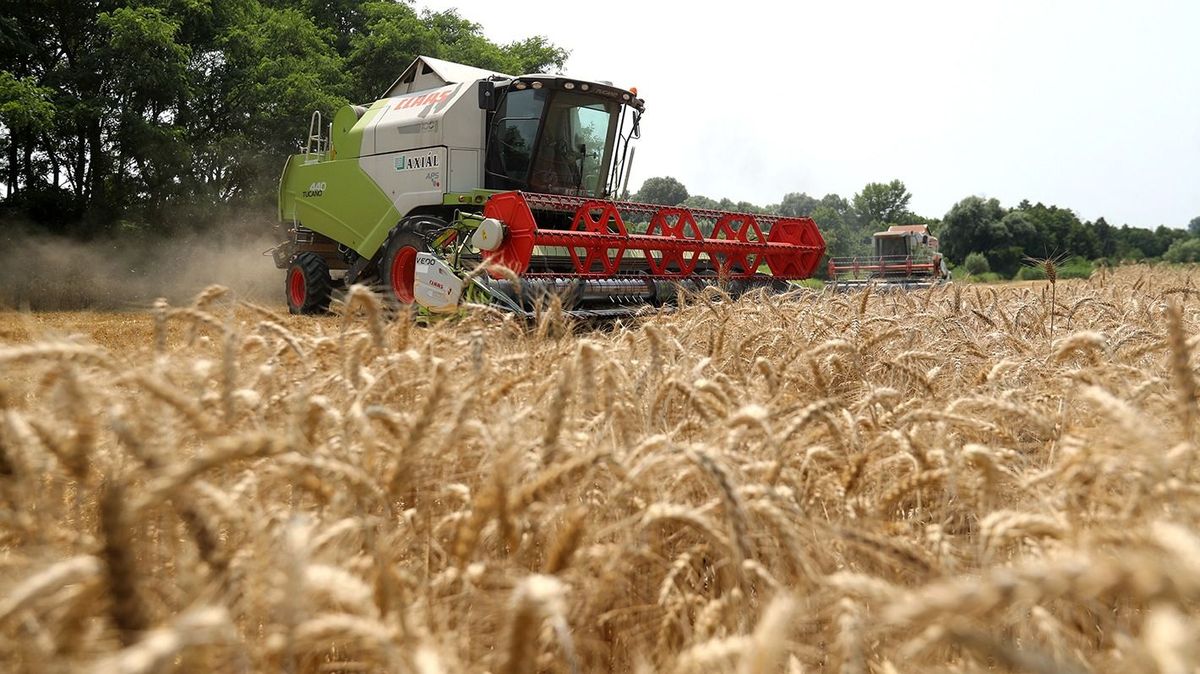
[[47, 273]]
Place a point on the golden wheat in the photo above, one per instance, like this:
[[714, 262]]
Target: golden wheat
[[952, 479]]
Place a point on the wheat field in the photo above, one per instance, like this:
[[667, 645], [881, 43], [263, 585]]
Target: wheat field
[[931, 481]]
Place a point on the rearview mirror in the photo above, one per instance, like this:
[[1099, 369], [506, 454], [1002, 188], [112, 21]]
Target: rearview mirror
[[487, 95]]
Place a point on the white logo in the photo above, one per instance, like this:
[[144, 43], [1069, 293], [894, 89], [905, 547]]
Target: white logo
[[315, 189]]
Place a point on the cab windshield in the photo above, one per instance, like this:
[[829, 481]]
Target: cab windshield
[[552, 141], [891, 246]]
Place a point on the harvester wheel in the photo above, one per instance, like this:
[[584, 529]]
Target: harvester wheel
[[307, 284], [400, 264]]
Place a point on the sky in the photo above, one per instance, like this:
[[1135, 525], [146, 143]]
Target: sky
[[1089, 105]]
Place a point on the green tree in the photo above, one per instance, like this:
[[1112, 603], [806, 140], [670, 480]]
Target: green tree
[[667, 191], [1016, 228], [834, 220], [1194, 226], [178, 111], [148, 75], [747, 207], [971, 225], [1135, 243], [25, 111], [1165, 237], [278, 68], [1183, 250], [463, 41], [797, 205], [882, 204], [535, 55], [393, 34], [1106, 238], [701, 202], [1059, 231]]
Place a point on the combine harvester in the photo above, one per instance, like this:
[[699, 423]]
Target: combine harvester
[[906, 256], [465, 185]]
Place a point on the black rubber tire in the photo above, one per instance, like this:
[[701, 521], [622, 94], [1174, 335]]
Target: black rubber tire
[[405, 242], [307, 285]]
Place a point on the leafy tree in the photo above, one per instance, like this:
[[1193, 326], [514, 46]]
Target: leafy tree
[[278, 67], [535, 55], [976, 264], [1057, 231], [836, 204], [701, 202], [393, 34], [971, 225], [797, 205], [1194, 226], [148, 73], [747, 207], [1009, 241], [667, 191], [463, 41], [833, 218], [1183, 250], [882, 204], [1106, 238], [1045, 242], [24, 106], [182, 110], [1165, 237], [25, 110], [1134, 243]]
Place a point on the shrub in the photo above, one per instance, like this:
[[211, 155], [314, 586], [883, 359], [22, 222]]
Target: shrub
[[988, 277], [1184, 250], [1075, 267], [1030, 274], [976, 264]]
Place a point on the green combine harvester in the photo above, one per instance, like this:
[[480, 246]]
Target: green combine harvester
[[463, 185]]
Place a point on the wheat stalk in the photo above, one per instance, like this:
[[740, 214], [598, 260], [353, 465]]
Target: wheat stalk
[[941, 480]]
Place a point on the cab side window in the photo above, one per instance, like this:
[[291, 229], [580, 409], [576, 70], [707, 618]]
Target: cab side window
[[514, 132]]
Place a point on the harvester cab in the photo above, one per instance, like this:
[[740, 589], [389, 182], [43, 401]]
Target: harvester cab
[[903, 256], [463, 185], [554, 135]]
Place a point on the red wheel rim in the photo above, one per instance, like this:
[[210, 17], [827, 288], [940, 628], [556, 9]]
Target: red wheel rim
[[296, 290], [404, 272]]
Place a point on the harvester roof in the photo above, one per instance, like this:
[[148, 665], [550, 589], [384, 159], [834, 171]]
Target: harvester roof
[[427, 72], [901, 230]]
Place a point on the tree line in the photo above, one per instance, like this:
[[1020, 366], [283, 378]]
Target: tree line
[[160, 113], [151, 115], [1004, 238]]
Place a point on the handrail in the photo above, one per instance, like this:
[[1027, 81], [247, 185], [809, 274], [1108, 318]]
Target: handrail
[[315, 137]]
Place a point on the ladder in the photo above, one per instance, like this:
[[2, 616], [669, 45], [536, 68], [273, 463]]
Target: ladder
[[317, 147]]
